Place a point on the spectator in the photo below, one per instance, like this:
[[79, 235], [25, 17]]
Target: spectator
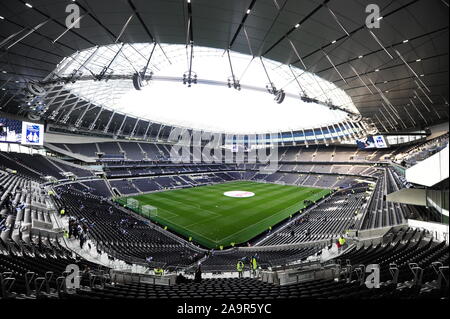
[[198, 274], [240, 268]]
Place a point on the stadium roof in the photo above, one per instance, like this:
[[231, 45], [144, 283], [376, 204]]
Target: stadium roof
[[396, 74], [211, 105]]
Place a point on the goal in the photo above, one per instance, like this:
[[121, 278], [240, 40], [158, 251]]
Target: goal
[[149, 211]]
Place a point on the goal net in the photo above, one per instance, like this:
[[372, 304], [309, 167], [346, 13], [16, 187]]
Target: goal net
[[132, 203], [149, 211]]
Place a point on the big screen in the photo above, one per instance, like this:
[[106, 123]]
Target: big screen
[[10, 131], [370, 142], [26, 133]]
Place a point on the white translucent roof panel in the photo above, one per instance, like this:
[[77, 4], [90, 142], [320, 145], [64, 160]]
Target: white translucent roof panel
[[220, 109], [206, 106]]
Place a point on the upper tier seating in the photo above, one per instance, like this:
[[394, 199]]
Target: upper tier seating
[[38, 167], [412, 155], [132, 151], [7, 162], [135, 151], [89, 149], [77, 171], [111, 150]]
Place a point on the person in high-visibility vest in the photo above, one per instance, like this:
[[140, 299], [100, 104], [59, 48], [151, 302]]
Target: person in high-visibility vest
[[341, 241], [62, 212], [159, 271], [240, 268], [254, 264]]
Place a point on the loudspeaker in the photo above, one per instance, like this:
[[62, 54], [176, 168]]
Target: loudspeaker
[[280, 96], [137, 81]]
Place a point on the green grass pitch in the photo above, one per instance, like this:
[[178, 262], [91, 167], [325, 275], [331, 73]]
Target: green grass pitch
[[214, 220]]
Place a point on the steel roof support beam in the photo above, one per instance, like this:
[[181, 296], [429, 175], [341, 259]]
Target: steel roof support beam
[[350, 129], [236, 84], [6, 40], [315, 136], [93, 124], [79, 120], [272, 89], [323, 136], [329, 133], [8, 101], [242, 24], [418, 111], [67, 115], [418, 97], [119, 131], [337, 71], [381, 44], [342, 133], [150, 35], [100, 76], [296, 80], [292, 136], [136, 12], [388, 121], [28, 33], [360, 129], [66, 64], [56, 111], [392, 120], [411, 118], [106, 128], [133, 131], [83, 65], [425, 105], [298, 25], [379, 121], [338, 137], [72, 101], [147, 130], [354, 129], [337, 20], [124, 28], [68, 29], [412, 71], [304, 137], [423, 91], [359, 77], [358, 29], [159, 132]]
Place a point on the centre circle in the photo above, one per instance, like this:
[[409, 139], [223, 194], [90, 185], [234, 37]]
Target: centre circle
[[239, 194]]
